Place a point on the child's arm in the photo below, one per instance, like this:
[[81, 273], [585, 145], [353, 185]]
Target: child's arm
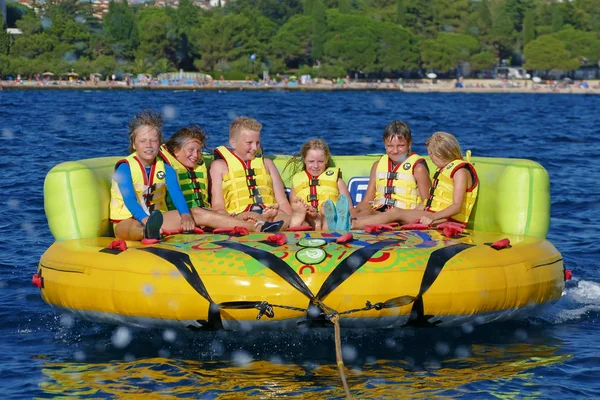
[[125, 183], [187, 222], [460, 188], [370, 193], [218, 168], [278, 188], [421, 174]]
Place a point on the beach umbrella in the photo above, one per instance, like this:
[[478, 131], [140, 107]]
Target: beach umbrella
[[431, 75], [71, 74], [536, 79], [96, 74], [48, 74], [293, 77]]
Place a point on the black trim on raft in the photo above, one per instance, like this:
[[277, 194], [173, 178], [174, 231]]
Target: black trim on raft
[[110, 251], [350, 265], [435, 264], [272, 262], [546, 264], [185, 266]]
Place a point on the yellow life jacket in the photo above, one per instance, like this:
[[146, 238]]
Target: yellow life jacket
[[397, 187], [149, 190], [246, 183], [315, 190], [193, 182], [442, 190]]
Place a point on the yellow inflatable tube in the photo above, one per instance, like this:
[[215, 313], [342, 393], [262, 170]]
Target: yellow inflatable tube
[[384, 279]]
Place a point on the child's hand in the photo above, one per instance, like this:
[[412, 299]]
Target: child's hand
[[426, 221], [187, 223]]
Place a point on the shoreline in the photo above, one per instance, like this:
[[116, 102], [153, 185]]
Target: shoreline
[[426, 86]]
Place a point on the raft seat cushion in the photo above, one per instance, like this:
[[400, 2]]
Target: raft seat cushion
[[514, 194]]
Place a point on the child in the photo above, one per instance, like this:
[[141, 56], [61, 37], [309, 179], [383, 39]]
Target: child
[[317, 184], [140, 184], [242, 179], [400, 179], [183, 151], [454, 190]]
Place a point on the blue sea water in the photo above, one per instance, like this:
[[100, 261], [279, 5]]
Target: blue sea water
[[554, 354]]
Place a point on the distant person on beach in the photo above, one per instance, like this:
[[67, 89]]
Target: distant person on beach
[[453, 194], [316, 182], [183, 152], [242, 180], [140, 184], [400, 178]]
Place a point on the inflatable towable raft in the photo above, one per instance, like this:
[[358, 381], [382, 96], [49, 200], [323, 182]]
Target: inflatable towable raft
[[379, 279]]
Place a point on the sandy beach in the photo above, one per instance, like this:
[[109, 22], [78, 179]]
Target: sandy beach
[[419, 86]]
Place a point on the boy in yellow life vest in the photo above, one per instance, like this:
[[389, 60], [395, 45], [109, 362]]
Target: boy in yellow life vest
[[140, 183], [242, 180], [453, 193], [315, 184], [399, 179], [183, 152]]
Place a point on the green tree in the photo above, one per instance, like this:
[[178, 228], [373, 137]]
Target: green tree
[[557, 18], [344, 6], [447, 51], [397, 48], [529, 27], [308, 5], [546, 53], [584, 46], [120, 27], [4, 37], [401, 12], [502, 32], [483, 60], [319, 25], [290, 47]]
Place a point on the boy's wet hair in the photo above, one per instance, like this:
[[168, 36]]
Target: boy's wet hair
[[149, 118], [190, 132], [297, 161], [243, 123], [444, 146], [397, 129]]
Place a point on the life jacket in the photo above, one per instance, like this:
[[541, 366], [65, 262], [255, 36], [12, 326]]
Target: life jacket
[[397, 187], [442, 190], [246, 183], [193, 182], [149, 190], [315, 190]]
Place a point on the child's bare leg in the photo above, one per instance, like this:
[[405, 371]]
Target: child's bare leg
[[171, 220], [392, 215], [298, 212], [129, 229]]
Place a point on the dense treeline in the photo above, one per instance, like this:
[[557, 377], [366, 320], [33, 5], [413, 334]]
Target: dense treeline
[[320, 37]]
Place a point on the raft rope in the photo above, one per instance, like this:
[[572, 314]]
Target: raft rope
[[341, 272]]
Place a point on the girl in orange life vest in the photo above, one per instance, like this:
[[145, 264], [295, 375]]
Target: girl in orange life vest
[[140, 182], [454, 190], [314, 184], [183, 151], [400, 178]]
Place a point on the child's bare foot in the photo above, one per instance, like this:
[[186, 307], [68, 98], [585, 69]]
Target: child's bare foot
[[318, 222], [298, 212], [270, 212]]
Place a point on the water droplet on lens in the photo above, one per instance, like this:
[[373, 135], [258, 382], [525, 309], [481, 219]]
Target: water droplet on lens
[[169, 112], [521, 334], [13, 204], [241, 358], [46, 23], [442, 348], [349, 352], [67, 321], [169, 335], [462, 352], [79, 356], [148, 290], [121, 337], [164, 353], [7, 133]]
